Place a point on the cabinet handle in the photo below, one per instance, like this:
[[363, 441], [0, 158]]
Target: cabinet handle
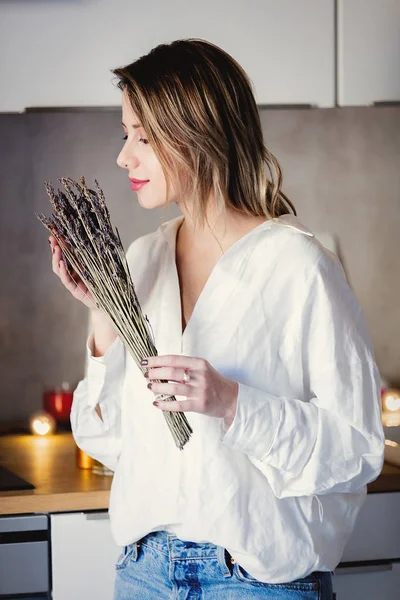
[[366, 568], [97, 516]]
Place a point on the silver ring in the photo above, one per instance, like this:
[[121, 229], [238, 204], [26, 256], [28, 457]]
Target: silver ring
[[186, 376], [163, 397]]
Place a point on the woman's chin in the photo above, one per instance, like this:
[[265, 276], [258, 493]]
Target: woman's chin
[[146, 203]]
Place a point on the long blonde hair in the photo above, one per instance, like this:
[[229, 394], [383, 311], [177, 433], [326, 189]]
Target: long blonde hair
[[196, 104]]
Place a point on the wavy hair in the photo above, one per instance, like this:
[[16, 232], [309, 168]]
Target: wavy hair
[[196, 104]]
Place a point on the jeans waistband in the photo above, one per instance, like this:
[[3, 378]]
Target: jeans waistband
[[170, 544], [176, 549]]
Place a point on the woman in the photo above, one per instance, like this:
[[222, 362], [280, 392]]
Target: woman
[[258, 335]]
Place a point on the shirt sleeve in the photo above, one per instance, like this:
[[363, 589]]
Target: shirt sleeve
[[332, 441], [102, 385]]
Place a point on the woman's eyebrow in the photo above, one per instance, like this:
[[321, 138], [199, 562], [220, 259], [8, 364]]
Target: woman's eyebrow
[[135, 125]]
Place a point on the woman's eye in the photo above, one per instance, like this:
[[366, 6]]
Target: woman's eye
[[140, 139]]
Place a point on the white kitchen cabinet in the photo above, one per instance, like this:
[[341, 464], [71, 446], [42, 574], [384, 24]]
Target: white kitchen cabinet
[[376, 535], [285, 46], [380, 582], [83, 555], [368, 51], [369, 568]]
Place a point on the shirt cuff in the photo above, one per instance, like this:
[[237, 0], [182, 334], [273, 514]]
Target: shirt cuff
[[256, 422], [97, 366]]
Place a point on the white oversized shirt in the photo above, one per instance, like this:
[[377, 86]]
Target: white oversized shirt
[[282, 487]]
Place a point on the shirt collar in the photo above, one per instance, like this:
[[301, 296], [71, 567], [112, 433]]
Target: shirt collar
[[293, 222], [169, 228]]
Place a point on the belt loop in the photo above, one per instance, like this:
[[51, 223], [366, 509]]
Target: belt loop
[[135, 550], [223, 560]]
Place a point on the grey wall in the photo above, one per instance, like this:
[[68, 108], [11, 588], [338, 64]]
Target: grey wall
[[341, 169]]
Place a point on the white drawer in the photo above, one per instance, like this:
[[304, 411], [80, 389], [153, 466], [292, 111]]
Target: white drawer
[[24, 568], [24, 560], [377, 531], [380, 582]]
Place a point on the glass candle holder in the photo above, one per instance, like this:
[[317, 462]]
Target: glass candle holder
[[99, 469], [83, 460]]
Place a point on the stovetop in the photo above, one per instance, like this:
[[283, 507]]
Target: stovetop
[[11, 482]]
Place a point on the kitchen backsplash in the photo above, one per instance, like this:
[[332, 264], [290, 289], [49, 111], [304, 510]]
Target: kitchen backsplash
[[341, 169]]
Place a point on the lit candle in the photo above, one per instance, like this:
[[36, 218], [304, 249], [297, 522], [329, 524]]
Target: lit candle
[[42, 423], [390, 407]]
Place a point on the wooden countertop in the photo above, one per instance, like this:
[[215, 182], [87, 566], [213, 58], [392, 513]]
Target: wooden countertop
[[388, 480], [49, 463]]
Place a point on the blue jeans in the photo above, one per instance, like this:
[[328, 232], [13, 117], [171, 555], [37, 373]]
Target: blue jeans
[[162, 567]]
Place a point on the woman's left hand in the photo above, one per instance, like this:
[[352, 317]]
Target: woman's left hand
[[207, 391]]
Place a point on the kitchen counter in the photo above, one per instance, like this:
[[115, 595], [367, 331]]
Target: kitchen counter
[[49, 463]]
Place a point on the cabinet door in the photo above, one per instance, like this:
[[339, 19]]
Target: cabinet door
[[83, 556], [379, 582], [376, 533], [287, 49], [368, 51], [285, 46]]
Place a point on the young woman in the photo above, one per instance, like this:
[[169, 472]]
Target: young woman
[[260, 337]]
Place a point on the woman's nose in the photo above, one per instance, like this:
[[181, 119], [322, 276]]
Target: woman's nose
[[126, 160]]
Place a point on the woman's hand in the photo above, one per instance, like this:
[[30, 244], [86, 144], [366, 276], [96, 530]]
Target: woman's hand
[[103, 330], [74, 283], [207, 391]]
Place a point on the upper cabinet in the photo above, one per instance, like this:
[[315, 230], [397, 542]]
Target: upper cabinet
[[368, 51], [61, 53], [287, 48]]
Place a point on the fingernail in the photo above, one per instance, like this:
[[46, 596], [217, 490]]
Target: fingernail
[[59, 264], [144, 361], [149, 385], [146, 374], [155, 403]]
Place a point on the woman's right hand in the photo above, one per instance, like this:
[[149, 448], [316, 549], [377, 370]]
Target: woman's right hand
[[103, 330], [74, 284]]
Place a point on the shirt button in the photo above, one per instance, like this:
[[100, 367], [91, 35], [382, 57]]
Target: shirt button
[[233, 560]]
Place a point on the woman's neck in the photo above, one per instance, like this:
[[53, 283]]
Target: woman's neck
[[221, 232]]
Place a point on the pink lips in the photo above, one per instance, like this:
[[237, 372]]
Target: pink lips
[[137, 184]]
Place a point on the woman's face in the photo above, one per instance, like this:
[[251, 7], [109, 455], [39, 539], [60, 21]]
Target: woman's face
[[138, 157]]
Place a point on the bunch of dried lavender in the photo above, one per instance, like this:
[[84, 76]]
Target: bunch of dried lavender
[[91, 247]]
